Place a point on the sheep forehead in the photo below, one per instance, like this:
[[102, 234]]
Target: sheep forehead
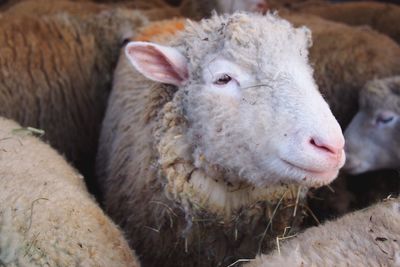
[[248, 38], [383, 93]]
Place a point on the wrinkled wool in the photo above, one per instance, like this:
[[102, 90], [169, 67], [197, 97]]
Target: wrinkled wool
[[382, 17], [47, 217], [363, 238], [56, 72]]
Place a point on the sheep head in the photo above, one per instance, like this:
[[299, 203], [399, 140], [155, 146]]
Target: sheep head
[[249, 98], [372, 138]]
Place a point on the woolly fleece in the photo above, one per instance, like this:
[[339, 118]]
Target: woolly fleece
[[47, 217], [382, 17], [370, 237], [56, 75]]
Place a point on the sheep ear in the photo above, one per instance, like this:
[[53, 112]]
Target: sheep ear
[[159, 63]]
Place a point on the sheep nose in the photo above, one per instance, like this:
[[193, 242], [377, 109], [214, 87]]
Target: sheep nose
[[332, 147]]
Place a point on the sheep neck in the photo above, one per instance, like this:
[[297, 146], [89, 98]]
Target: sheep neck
[[188, 184]]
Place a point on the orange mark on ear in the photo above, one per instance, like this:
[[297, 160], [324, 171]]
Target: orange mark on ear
[[160, 31]]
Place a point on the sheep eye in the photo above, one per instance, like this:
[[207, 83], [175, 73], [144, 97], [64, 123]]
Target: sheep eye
[[384, 120], [224, 79]]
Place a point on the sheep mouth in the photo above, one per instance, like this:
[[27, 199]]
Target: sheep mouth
[[313, 176], [307, 170]]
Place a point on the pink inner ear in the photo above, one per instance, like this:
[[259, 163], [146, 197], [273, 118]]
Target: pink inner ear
[[154, 64]]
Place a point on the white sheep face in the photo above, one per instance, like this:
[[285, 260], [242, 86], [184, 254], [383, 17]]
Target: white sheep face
[[252, 105], [372, 138]]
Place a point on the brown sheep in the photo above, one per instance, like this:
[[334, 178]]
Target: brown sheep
[[382, 17], [56, 75], [153, 9], [87, 8], [370, 237], [47, 217]]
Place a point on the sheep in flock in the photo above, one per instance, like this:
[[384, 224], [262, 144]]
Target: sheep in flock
[[382, 17], [369, 237], [47, 217], [373, 136], [154, 10], [210, 144], [56, 75]]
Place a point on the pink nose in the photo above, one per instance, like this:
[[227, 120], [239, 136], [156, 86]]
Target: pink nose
[[333, 148]]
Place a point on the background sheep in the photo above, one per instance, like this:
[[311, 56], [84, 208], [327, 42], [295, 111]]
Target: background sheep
[[364, 238], [56, 75], [212, 196], [373, 136], [47, 217], [150, 10], [382, 17], [153, 9]]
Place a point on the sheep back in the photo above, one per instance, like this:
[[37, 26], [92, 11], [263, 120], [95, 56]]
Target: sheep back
[[363, 238], [382, 17], [56, 73], [47, 217]]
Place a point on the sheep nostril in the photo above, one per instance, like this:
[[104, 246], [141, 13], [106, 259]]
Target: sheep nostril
[[332, 149]]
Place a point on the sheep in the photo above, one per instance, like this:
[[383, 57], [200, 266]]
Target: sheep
[[188, 158], [154, 10], [382, 17], [372, 146], [370, 237], [47, 217], [373, 141], [84, 8], [344, 59], [52, 7], [56, 76]]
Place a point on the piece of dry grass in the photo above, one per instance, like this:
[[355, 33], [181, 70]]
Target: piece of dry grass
[[29, 131], [270, 222], [239, 261], [283, 237]]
